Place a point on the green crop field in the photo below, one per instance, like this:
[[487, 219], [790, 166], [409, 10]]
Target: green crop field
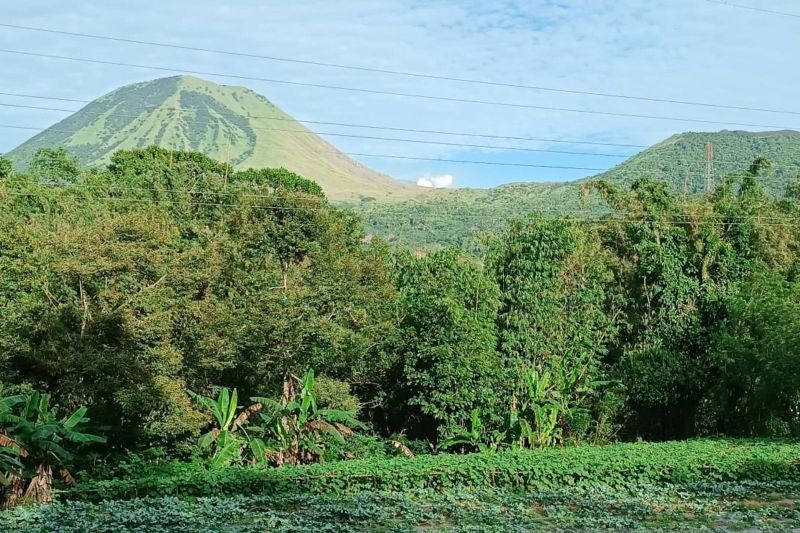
[[721, 505], [695, 484]]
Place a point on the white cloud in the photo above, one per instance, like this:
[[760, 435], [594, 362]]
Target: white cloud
[[436, 182]]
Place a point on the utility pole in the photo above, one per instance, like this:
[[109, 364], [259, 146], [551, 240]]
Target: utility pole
[[709, 167]]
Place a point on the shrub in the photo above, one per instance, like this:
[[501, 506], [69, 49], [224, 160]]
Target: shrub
[[335, 394]]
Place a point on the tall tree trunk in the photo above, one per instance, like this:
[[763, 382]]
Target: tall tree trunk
[[40, 488]]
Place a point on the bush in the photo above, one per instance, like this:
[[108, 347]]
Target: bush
[[624, 467], [334, 394]]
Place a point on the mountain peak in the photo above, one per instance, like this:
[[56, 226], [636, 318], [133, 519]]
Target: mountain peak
[[232, 124]]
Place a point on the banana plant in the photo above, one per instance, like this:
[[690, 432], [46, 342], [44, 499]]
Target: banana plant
[[297, 427], [10, 465], [291, 431], [223, 441], [534, 418], [476, 437], [41, 441]]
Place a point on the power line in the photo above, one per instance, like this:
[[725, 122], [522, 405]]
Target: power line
[[387, 128], [19, 95], [752, 8], [10, 126], [394, 156], [345, 135], [394, 93], [471, 162], [414, 158], [406, 73]]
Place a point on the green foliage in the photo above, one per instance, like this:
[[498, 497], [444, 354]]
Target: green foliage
[[461, 216], [678, 261], [757, 353], [279, 179], [167, 273], [722, 505], [446, 340], [54, 166], [476, 437], [222, 438], [31, 431], [5, 168], [295, 430], [618, 467], [554, 324], [335, 394]]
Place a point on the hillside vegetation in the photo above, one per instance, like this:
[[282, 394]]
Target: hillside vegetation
[[459, 216]]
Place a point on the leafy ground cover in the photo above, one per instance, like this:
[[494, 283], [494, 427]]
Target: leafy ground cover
[[616, 467], [721, 505]]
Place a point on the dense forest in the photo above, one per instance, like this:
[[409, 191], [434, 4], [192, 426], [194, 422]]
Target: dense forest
[[169, 307]]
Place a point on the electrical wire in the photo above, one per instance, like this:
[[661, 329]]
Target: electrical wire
[[752, 8], [352, 136], [411, 74], [373, 126], [395, 156], [311, 132], [395, 93]]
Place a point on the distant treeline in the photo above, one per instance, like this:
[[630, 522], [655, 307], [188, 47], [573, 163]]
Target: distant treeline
[[460, 216]]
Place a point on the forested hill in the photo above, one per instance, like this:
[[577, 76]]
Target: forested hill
[[232, 124], [458, 216], [680, 160]]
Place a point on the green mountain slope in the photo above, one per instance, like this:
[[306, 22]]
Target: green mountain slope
[[681, 159], [227, 123], [459, 216]]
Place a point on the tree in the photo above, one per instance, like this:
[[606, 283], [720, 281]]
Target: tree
[[54, 166], [446, 342], [757, 355], [677, 262], [192, 277], [554, 320], [5, 168]]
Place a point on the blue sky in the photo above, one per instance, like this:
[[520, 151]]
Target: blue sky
[[674, 49]]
